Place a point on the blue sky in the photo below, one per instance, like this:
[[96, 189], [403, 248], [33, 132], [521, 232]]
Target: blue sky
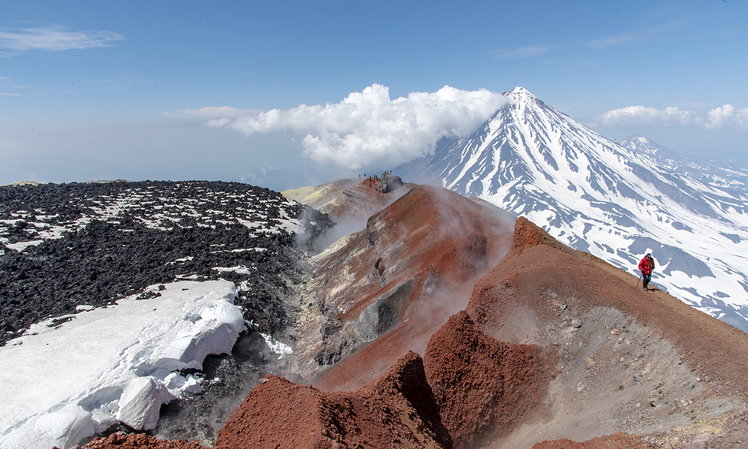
[[172, 90]]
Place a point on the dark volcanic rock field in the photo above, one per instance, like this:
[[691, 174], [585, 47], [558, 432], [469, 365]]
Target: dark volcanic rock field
[[96, 242]]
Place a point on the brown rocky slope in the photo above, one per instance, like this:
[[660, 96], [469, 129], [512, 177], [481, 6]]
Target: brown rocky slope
[[483, 387], [629, 360]]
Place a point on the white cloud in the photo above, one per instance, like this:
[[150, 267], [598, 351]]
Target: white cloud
[[213, 112], [722, 117], [369, 129], [727, 116], [642, 116], [55, 39], [6, 94], [524, 52]]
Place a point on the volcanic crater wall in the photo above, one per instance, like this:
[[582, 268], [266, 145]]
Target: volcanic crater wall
[[484, 388], [400, 267], [552, 344]]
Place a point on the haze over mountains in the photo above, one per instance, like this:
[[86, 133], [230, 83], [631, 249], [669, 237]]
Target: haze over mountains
[[616, 201]]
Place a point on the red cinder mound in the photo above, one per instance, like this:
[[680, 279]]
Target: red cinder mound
[[484, 387], [527, 234], [397, 410], [616, 441], [121, 440]]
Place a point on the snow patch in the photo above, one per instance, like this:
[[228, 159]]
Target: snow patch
[[112, 364], [241, 269], [276, 346]]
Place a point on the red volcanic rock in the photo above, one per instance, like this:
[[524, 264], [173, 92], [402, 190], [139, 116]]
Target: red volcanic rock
[[527, 234], [397, 410], [616, 441], [121, 440], [484, 388]]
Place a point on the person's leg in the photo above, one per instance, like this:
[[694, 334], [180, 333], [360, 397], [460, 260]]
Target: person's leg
[[647, 278]]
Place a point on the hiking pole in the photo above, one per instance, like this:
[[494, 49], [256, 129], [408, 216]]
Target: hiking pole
[[637, 281]]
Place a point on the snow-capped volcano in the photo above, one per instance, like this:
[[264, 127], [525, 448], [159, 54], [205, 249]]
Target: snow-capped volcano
[[615, 202]]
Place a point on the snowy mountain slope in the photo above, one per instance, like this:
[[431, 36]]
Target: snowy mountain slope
[[615, 202]]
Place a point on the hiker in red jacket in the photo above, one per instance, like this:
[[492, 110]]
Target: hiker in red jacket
[[646, 265]]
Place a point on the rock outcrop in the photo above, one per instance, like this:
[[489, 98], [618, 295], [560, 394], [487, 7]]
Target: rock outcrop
[[390, 183], [484, 388], [397, 410]]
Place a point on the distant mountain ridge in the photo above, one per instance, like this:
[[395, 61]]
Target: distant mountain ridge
[[729, 174], [617, 202]]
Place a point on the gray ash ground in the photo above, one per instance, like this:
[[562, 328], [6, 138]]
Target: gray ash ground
[[68, 245], [202, 416]]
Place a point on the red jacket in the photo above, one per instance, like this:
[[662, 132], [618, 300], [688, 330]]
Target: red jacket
[[647, 265]]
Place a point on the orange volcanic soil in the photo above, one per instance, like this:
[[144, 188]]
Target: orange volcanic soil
[[397, 410]]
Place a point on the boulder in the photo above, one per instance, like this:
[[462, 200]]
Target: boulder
[[390, 182]]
